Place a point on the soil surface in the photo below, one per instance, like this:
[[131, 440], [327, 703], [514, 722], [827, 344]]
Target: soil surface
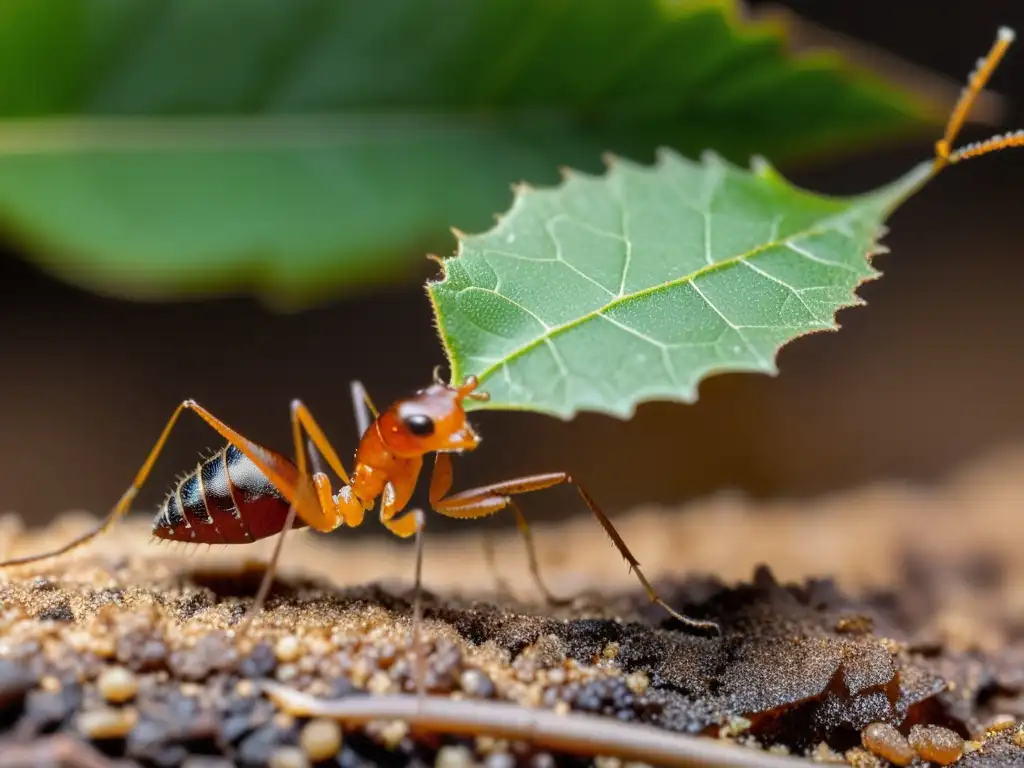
[[887, 631]]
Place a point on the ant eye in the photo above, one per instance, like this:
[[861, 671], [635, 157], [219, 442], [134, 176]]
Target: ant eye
[[419, 424]]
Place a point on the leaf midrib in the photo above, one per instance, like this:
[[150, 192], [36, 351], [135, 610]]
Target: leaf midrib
[[820, 228]]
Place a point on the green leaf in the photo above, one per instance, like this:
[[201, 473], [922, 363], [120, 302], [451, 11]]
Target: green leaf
[[608, 291], [164, 147]]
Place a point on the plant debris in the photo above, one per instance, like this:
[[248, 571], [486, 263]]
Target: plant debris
[[112, 659]]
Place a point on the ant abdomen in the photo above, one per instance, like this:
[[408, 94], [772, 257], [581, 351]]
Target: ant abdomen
[[225, 500]]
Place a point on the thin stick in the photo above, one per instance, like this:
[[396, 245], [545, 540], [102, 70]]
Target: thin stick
[[545, 729]]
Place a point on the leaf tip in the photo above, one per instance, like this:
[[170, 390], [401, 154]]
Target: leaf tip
[[459, 234]]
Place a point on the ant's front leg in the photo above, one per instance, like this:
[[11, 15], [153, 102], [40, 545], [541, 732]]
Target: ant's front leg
[[488, 499]]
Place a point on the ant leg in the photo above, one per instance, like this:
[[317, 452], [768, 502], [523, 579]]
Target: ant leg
[[441, 483], [365, 410], [413, 522], [345, 509], [501, 587], [278, 470], [119, 509], [302, 419], [531, 554], [488, 499]]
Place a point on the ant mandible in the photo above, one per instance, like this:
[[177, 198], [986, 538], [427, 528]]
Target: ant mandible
[[247, 492]]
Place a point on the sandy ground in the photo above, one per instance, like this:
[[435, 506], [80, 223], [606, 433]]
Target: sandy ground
[[885, 604]]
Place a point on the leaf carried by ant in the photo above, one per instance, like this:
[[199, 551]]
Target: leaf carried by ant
[[608, 291]]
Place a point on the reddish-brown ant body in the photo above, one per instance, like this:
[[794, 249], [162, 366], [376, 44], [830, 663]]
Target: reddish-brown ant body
[[247, 492]]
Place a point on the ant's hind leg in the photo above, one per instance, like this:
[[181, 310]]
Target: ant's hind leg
[[531, 555], [476, 502], [441, 482], [311, 498], [122, 506]]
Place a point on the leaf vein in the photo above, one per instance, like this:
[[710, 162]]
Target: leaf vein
[[785, 285]]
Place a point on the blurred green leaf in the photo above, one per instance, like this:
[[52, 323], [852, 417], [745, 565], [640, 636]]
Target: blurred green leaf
[[159, 148], [608, 291]]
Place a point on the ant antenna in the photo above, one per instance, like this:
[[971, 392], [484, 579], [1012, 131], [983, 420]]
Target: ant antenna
[[944, 154]]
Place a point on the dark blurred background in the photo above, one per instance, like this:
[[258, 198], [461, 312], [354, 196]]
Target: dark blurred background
[[926, 377]]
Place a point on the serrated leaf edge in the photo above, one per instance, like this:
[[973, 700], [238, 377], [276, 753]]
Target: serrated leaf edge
[[893, 195]]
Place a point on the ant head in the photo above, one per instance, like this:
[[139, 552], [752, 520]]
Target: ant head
[[431, 420]]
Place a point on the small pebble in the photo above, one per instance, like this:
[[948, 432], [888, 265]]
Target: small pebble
[[1000, 723], [823, 753], [937, 744], [288, 649], [379, 682], [637, 682], [260, 661], [107, 723], [500, 760], [288, 757], [975, 746], [286, 673], [15, 681], [476, 683], [393, 732], [283, 721], [887, 742], [1018, 737], [103, 646], [453, 757], [733, 727], [257, 747], [50, 684], [321, 739], [118, 685]]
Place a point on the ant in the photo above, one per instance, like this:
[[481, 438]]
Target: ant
[[246, 492]]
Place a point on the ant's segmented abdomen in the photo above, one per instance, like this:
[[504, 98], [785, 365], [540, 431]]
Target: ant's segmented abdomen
[[224, 500]]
